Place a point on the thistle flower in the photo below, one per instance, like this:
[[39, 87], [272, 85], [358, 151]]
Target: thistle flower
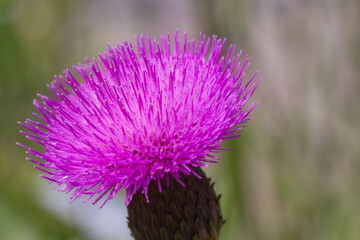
[[136, 117]]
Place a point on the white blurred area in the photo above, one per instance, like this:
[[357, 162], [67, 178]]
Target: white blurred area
[[108, 222]]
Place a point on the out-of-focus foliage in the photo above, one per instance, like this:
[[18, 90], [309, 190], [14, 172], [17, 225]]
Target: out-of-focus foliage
[[28, 47], [294, 174], [298, 162]]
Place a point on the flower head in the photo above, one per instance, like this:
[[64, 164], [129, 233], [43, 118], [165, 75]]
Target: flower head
[[140, 115]]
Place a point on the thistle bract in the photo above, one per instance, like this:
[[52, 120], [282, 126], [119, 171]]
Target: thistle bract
[[137, 114]]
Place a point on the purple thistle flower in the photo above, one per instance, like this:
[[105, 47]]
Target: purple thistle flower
[[138, 116]]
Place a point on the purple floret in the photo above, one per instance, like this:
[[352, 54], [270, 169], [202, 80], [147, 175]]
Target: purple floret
[[138, 116]]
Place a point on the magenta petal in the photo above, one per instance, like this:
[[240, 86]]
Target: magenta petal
[[132, 116]]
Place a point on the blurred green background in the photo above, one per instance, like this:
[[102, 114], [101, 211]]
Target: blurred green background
[[295, 172]]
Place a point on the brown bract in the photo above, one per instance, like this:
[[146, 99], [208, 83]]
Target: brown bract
[[192, 212]]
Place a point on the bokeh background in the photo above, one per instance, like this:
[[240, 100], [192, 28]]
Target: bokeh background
[[295, 172]]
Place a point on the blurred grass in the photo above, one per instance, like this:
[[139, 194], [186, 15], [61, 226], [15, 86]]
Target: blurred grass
[[26, 63], [294, 174]]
